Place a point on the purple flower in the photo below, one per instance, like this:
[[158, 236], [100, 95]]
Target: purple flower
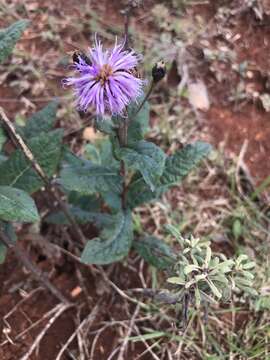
[[106, 82]]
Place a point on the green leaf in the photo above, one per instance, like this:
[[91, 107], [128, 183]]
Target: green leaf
[[2, 158], [177, 166], [87, 178], [9, 37], [176, 280], [91, 153], [3, 137], [189, 268], [113, 244], [106, 153], [17, 171], [237, 229], [145, 157], [16, 205], [214, 289], [3, 253], [81, 216], [41, 121], [105, 125], [155, 251], [113, 201], [8, 229], [85, 202], [249, 265], [182, 162]]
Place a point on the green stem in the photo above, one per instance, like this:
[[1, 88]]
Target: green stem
[[123, 137], [151, 87]]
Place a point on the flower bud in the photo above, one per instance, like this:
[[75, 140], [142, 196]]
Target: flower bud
[[158, 71]]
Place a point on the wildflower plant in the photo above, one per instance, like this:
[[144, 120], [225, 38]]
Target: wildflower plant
[[118, 173], [122, 171], [133, 170]]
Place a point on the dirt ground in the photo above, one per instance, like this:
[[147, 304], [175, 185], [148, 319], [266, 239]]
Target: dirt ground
[[227, 123]]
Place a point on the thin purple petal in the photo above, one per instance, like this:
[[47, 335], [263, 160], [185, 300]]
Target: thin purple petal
[[106, 82]]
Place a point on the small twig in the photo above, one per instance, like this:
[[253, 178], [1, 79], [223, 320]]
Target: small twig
[[121, 292], [22, 333], [89, 319], [148, 348], [19, 142], [130, 328], [35, 271], [126, 26], [59, 309]]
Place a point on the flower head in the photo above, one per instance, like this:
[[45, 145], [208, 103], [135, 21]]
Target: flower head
[[106, 82]]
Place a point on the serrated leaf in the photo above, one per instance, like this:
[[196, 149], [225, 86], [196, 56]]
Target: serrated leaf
[[113, 244], [81, 216], [87, 178], [155, 251], [41, 121], [9, 36], [17, 205], [145, 157], [16, 171], [177, 166], [182, 162]]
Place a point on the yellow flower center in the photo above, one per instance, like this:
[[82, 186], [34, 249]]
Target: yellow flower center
[[105, 72]]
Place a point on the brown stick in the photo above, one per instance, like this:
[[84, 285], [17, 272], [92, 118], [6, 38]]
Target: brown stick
[[35, 271], [19, 142]]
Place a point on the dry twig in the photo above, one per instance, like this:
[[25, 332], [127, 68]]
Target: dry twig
[[59, 309], [35, 271]]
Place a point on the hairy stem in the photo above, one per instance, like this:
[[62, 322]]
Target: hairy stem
[[35, 271], [20, 143]]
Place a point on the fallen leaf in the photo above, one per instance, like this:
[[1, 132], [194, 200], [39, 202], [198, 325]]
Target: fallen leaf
[[76, 291], [198, 96], [90, 134]]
